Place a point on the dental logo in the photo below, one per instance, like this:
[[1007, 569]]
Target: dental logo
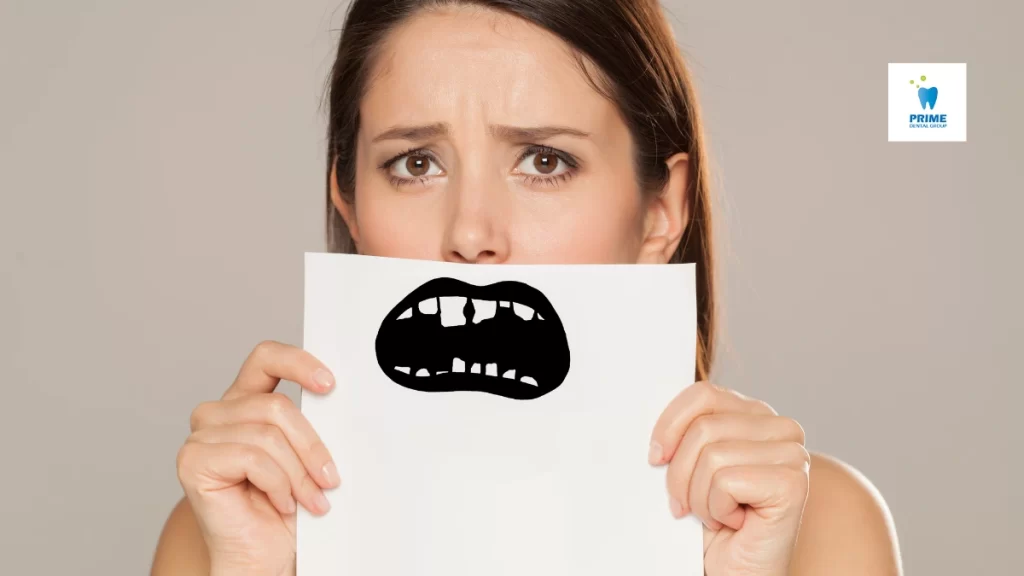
[[928, 97], [916, 111]]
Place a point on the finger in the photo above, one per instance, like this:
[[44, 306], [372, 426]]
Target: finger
[[271, 440], [204, 468], [277, 410], [270, 362], [734, 453], [696, 400], [709, 429], [770, 492]]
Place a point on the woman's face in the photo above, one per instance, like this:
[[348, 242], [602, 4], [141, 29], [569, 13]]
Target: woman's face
[[481, 141]]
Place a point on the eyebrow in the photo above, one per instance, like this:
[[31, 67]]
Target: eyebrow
[[506, 133]]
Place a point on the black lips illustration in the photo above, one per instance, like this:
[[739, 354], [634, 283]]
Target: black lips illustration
[[447, 335]]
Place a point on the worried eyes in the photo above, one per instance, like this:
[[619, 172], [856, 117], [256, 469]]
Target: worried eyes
[[538, 165]]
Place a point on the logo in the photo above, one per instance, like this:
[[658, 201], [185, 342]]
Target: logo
[[928, 97], [916, 113]]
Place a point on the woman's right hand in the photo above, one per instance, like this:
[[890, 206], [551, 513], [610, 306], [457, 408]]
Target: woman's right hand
[[251, 456]]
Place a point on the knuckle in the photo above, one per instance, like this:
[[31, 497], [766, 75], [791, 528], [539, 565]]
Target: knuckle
[[715, 457], [800, 453], [274, 438], [185, 460], [199, 415], [796, 431], [703, 429], [263, 350], [706, 391], [307, 485], [763, 406], [278, 404], [317, 448]]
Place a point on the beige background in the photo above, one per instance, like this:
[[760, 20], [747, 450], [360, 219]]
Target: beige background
[[161, 176]]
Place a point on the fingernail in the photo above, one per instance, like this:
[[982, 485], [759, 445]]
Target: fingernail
[[323, 378], [654, 456], [675, 507], [289, 505], [330, 472], [322, 504]]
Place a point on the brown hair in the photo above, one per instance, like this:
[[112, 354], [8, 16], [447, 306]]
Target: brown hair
[[639, 67]]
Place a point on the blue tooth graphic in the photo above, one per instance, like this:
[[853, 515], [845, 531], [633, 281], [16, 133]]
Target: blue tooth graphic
[[928, 96]]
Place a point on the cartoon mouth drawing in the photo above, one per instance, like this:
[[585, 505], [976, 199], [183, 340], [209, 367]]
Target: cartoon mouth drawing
[[446, 336]]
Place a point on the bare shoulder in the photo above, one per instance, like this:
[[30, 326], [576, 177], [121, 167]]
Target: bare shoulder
[[847, 527], [181, 549]]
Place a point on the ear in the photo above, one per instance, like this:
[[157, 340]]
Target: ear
[[667, 214], [346, 209]]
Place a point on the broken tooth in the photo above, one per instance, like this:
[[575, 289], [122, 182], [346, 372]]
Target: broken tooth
[[429, 306], [458, 365], [485, 309], [528, 380], [491, 370], [404, 369], [524, 312], [510, 374], [539, 317], [503, 304], [423, 372], [451, 311], [406, 314], [475, 369]]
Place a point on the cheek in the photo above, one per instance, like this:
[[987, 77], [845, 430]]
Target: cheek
[[602, 227], [394, 227]]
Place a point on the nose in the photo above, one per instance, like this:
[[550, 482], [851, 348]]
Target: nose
[[476, 232]]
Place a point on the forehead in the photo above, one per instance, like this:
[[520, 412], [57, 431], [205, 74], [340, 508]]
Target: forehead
[[473, 63]]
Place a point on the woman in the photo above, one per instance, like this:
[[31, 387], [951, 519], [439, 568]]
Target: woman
[[521, 131]]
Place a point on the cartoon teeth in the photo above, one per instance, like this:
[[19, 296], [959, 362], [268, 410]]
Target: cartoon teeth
[[452, 311], [524, 312], [428, 306], [485, 310], [459, 367], [455, 310]]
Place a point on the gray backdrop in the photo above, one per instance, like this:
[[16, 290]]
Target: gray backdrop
[[161, 175]]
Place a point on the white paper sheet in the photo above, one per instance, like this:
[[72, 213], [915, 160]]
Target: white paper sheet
[[469, 483]]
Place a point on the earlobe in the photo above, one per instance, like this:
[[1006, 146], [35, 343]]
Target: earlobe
[[668, 214], [345, 209]]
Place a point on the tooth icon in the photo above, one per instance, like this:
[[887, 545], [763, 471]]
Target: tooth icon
[[404, 369], [928, 96], [528, 380], [458, 365], [423, 372], [524, 312], [510, 374], [475, 369], [429, 306], [406, 314], [491, 369]]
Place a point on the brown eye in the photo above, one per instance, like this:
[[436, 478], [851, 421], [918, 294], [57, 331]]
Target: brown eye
[[417, 165], [545, 163]]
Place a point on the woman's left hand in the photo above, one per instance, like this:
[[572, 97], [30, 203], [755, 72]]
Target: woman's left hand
[[739, 467]]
